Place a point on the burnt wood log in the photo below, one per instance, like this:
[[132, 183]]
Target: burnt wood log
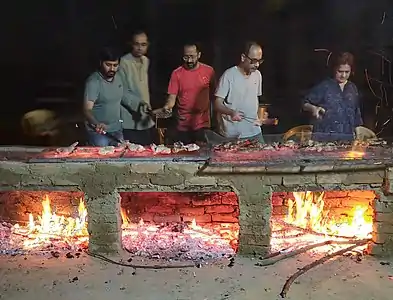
[[318, 262]]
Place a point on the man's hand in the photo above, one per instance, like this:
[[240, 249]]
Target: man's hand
[[100, 128], [236, 116], [161, 112], [157, 111], [145, 107], [318, 112]]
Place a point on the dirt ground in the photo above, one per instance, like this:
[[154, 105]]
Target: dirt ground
[[88, 278]]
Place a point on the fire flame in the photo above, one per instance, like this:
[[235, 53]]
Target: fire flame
[[357, 151], [124, 218], [354, 154], [49, 226], [307, 212]]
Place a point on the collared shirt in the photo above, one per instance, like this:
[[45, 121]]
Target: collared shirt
[[135, 74], [342, 114]]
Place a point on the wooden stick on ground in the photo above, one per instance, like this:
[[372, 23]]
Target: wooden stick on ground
[[307, 230], [303, 270], [272, 259]]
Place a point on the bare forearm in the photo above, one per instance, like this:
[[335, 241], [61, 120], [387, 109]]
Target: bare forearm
[[89, 117], [221, 108], [308, 107], [170, 102]]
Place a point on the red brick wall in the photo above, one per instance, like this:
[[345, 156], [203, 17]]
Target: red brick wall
[[15, 206], [162, 207], [338, 203]]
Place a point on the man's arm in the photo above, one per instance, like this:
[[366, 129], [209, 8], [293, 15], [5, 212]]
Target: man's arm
[[152, 82], [90, 97], [222, 108], [123, 75], [220, 95], [173, 90], [130, 100], [170, 102], [260, 85], [260, 88]]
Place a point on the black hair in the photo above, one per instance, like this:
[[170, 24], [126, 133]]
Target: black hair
[[191, 44], [137, 32], [130, 38], [248, 45], [109, 54]]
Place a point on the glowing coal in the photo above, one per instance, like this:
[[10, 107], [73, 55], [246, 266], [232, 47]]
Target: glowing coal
[[180, 241]]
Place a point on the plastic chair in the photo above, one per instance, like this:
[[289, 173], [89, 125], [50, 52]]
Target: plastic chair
[[302, 132], [40, 122]]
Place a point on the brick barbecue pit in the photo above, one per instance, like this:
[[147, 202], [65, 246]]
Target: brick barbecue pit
[[102, 181]]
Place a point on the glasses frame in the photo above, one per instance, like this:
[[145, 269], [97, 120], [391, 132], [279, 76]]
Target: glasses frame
[[254, 61]]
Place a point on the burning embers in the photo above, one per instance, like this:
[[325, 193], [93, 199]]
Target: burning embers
[[45, 230], [196, 226], [303, 218]]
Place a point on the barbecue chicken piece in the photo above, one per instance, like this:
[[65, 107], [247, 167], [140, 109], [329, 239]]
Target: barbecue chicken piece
[[106, 150], [160, 149]]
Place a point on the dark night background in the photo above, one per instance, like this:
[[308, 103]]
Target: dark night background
[[56, 41]]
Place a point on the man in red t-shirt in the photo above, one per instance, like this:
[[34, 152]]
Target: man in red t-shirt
[[189, 89]]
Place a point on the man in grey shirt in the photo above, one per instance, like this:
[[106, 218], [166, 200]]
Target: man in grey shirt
[[237, 96], [104, 93]]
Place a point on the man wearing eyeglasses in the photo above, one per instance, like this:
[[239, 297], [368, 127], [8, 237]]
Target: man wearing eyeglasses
[[237, 96], [189, 89], [138, 127]]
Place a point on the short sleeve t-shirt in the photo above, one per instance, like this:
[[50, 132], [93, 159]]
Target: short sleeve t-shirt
[[192, 88], [107, 96], [241, 94]]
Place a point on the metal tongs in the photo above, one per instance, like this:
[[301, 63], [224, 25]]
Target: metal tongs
[[267, 121], [111, 136]]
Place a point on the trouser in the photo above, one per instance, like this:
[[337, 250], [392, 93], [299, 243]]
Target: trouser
[[143, 137], [100, 140]]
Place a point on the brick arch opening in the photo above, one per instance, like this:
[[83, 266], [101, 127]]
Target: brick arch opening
[[180, 225]]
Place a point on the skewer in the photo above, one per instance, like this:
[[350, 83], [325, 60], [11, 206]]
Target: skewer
[[268, 121]]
